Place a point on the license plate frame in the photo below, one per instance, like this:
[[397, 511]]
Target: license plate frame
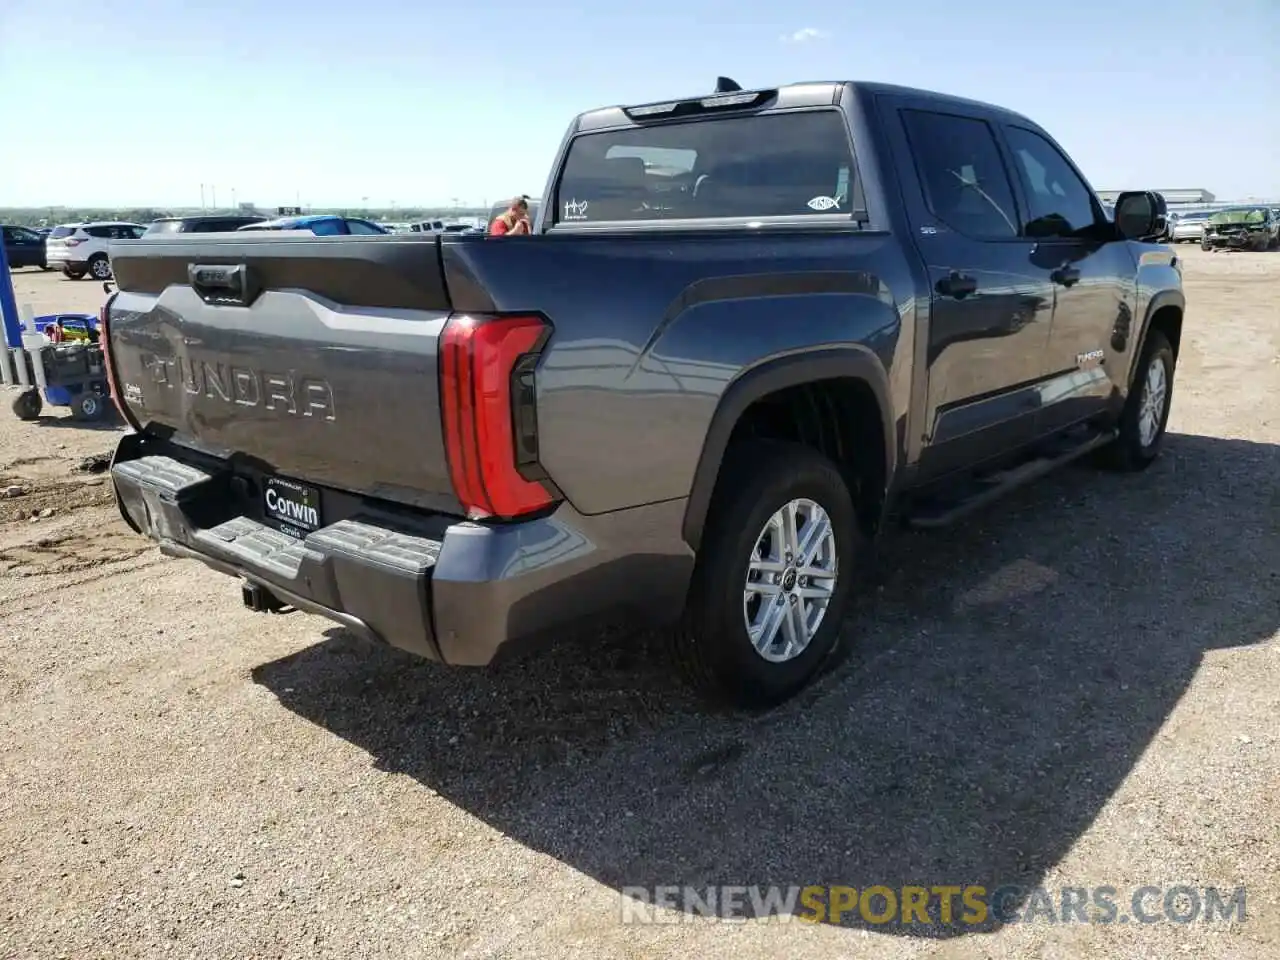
[[293, 508]]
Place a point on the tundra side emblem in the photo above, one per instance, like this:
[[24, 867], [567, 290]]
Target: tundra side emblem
[[1086, 358]]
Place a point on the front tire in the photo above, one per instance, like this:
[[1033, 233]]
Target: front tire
[[773, 577], [88, 407], [1146, 411]]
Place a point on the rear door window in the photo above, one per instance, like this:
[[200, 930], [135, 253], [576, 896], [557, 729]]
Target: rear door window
[[327, 228], [59, 233], [766, 165], [963, 177]]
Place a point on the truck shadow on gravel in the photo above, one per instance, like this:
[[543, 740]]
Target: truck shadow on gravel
[[109, 423], [1008, 675]]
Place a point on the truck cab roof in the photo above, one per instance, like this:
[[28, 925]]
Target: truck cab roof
[[788, 96]]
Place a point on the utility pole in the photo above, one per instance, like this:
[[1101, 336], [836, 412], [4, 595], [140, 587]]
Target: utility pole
[[213, 196], [202, 206]]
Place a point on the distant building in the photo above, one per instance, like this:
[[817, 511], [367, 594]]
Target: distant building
[[1174, 198]]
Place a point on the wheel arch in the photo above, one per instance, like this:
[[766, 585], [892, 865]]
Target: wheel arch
[[851, 364], [1165, 313]]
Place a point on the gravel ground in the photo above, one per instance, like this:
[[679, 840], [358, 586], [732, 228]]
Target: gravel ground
[[1078, 687]]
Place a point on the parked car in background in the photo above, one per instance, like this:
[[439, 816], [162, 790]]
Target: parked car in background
[[205, 223], [24, 247], [1241, 228], [442, 226], [81, 248], [322, 225], [1189, 227]]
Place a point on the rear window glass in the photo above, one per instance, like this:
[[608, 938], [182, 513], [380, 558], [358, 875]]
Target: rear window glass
[[770, 165], [57, 233], [165, 226], [219, 226], [1241, 215]]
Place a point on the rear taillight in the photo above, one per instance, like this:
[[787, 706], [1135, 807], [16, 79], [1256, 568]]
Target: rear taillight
[[487, 405], [73, 241]]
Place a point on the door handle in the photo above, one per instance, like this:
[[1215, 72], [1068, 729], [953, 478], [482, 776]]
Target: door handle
[[1066, 276], [957, 285]]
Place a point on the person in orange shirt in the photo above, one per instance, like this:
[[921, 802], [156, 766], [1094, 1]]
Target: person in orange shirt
[[515, 222]]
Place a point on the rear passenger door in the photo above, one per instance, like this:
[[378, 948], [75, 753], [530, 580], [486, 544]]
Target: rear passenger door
[[990, 308], [1093, 273]]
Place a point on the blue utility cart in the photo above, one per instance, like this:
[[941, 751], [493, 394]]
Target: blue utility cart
[[74, 373]]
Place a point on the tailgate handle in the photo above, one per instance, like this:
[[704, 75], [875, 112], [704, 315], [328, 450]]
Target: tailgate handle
[[223, 283]]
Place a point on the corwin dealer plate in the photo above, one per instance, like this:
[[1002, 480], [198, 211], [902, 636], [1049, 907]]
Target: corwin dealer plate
[[294, 506]]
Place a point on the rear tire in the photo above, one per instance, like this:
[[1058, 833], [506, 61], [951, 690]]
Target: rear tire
[[72, 274], [100, 266], [796, 607], [1146, 411], [28, 404]]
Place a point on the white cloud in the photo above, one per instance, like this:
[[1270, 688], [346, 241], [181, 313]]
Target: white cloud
[[803, 35]]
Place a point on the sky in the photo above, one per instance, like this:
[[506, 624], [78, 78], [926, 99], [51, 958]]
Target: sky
[[424, 102]]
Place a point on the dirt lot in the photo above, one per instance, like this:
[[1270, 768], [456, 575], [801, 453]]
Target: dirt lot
[[1080, 687]]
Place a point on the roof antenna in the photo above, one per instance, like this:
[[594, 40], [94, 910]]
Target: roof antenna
[[726, 85]]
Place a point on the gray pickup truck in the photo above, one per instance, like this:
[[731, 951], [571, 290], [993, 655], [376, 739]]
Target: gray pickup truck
[[749, 329]]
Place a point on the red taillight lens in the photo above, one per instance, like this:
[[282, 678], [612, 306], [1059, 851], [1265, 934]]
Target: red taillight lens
[[72, 241], [486, 403]]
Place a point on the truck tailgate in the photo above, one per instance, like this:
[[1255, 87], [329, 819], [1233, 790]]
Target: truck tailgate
[[308, 357]]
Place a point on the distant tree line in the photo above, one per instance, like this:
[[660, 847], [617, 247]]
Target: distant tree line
[[51, 216]]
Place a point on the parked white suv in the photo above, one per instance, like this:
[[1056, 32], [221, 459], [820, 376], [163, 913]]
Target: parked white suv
[[81, 248]]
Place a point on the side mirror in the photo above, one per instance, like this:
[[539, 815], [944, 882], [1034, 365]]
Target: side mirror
[[1141, 215]]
